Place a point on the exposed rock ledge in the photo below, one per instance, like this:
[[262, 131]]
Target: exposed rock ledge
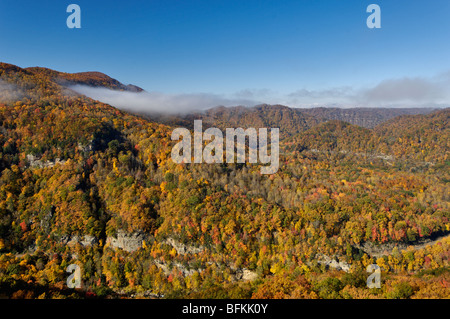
[[243, 274], [86, 240], [167, 270], [183, 249], [374, 250], [333, 262], [126, 241], [37, 163], [246, 275]]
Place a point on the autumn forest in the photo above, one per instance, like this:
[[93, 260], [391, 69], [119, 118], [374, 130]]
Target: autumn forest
[[85, 183]]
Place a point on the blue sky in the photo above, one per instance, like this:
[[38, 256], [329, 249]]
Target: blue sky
[[297, 52]]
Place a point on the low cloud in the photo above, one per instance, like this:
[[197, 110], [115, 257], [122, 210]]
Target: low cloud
[[408, 91], [333, 93], [10, 92], [160, 102], [331, 96], [400, 92], [254, 94]]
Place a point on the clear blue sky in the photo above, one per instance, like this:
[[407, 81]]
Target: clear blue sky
[[227, 46]]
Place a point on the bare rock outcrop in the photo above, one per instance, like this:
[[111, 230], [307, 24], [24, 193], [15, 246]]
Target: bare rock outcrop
[[183, 249], [126, 241], [38, 163], [167, 270], [86, 240], [246, 275], [333, 262], [378, 250]]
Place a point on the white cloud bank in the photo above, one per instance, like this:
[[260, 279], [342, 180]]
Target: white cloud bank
[[409, 91], [159, 102], [10, 92], [401, 92]]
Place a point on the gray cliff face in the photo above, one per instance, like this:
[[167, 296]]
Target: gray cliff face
[[86, 240], [379, 250], [126, 241], [245, 275], [183, 249], [333, 262], [35, 162]]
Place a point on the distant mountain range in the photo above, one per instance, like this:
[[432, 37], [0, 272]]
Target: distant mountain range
[[290, 120]]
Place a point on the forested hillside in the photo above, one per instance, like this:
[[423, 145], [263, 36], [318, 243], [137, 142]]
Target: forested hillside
[[83, 182]]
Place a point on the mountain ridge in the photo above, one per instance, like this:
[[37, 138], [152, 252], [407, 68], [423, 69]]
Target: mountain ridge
[[294, 119]]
